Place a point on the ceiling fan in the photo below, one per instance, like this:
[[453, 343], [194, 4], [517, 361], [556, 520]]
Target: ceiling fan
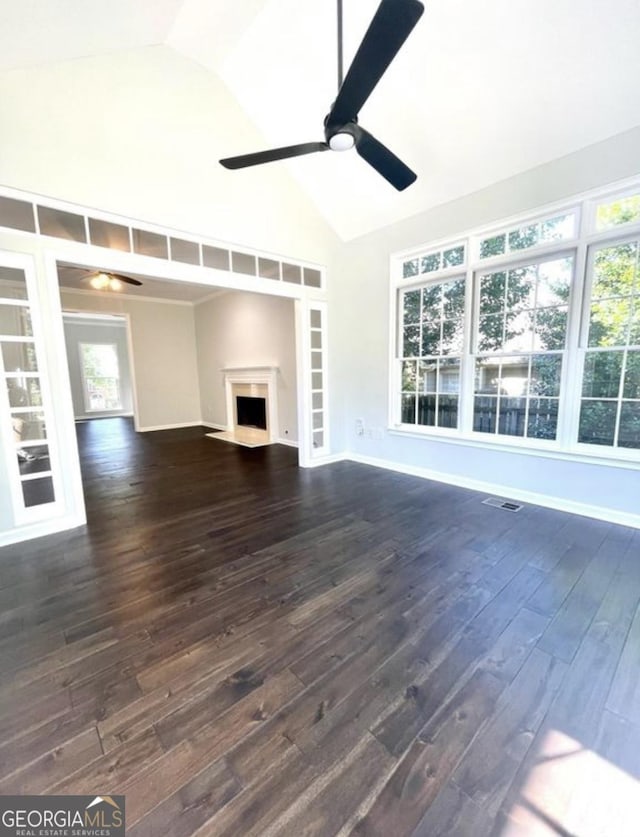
[[391, 26], [102, 280]]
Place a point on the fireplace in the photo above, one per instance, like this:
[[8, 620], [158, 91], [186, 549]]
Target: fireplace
[[252, 408], [251, 412]]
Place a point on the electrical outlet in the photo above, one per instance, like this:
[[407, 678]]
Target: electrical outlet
[[359, 427]]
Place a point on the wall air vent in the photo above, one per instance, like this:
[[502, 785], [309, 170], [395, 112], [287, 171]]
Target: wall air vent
[[507, 505]]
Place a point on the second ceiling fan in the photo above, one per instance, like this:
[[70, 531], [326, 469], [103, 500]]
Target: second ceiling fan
[[391, 26]]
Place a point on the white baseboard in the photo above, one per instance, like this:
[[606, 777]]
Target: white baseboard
[[194, 423], [214, 426], [288, 442], [90, 416], [40, 529], [329, 459], [547, 500]]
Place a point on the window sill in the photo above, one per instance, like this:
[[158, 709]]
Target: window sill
[[541, 451]]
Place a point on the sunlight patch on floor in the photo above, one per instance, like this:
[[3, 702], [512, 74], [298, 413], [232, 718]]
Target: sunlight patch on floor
[[574, 792]]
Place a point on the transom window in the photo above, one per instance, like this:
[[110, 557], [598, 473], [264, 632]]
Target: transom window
[[556, 228], [538, 347], [434, 261], [623, 210]]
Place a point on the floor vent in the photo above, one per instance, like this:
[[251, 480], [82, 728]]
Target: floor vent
[[507, 505]]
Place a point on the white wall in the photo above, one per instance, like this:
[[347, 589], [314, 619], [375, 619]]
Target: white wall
[[244, 329], [359, 304], [77, 331], [165, 365], [139, 132]]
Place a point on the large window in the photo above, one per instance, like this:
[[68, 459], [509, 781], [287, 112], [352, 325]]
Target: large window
[[610, 404], [432, 343], [528, 334], [101, 375], [520, 342]]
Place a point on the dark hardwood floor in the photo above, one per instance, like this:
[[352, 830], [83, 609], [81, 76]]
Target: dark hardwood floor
[[246, 648]]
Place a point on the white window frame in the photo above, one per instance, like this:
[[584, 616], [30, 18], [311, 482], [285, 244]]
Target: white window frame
[[85, 389], [510, 264], [437, 277], [565, 446]]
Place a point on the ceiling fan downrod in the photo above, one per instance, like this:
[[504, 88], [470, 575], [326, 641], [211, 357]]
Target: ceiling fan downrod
[[340, 53]]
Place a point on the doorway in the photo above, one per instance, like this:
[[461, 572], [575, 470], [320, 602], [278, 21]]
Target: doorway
[[99, 365]]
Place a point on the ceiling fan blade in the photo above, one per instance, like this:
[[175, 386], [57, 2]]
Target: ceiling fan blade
[[126, 279], [391, 26], [383, 161], [260, 157]]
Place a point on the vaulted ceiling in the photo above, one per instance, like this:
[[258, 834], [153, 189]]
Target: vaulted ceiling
[[480, 92]]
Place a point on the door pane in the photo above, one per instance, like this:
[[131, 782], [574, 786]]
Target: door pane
[[19, 357], [15, 321], [28, 427], [12, 283], [33, 459], [38, 491]]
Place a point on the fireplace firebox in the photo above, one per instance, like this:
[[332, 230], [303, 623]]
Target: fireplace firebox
[[251, 412]]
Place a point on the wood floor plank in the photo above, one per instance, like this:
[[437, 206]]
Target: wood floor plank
[[162, 777], [423, 697], [549, 779], [332, 802], [563, 636], [549, 596], [40, 775], [453, 812], [114, 768], [30, 744], [488, 767], [624, 695], [186, 810], [277, 651], [428, 764]]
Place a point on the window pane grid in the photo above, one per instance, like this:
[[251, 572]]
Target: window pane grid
[[434, 261], [610, 405], [558, 366], [430, 348], [520, 341], [610, 396], [560, 227]]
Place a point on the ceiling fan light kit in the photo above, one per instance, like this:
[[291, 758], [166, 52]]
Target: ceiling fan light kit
[[342, 141], [102, 281], [392, 24]]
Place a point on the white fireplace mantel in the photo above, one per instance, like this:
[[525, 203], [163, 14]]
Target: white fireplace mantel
[[247, 375]]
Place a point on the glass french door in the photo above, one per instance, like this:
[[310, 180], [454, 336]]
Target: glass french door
[[29, 483]]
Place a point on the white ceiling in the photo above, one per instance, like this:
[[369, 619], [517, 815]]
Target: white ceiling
[[480, 92], [37, 32]]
